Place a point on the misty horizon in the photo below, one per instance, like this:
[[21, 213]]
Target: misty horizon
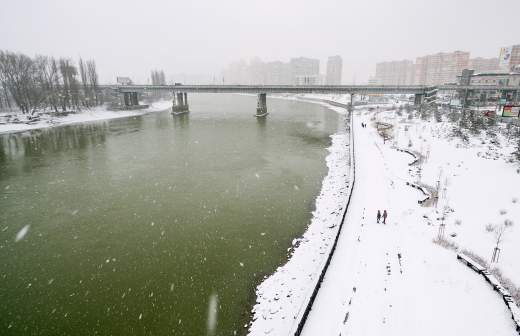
[[199, 39]]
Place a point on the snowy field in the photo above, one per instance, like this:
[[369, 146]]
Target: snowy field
[[97, 113]]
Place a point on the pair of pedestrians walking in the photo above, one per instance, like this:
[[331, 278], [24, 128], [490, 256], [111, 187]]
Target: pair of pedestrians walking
[[385, 214]]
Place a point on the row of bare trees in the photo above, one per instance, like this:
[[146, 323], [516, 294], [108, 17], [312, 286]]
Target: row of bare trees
[[158, 77], [46, 83]]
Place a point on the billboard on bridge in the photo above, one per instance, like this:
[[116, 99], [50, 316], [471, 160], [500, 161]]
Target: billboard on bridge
[[511, 111]]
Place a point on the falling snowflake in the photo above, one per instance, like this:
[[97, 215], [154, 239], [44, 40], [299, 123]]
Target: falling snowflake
[[21, 234], [212, 314]]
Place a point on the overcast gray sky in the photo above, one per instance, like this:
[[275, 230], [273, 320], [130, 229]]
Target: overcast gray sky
[[202, 37]]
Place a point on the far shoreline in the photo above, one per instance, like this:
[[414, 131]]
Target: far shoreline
[[85, 117]]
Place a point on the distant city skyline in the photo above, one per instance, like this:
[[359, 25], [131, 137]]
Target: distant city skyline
[[201, 37], [297, 71], [443, 67]]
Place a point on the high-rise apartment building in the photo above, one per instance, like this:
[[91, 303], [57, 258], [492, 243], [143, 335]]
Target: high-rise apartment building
[[395, 73], [443, 68], [303, 67], [440, 68], [509, 57], [299, 71], [277, 73], [307, 80], [236, 73], [334, 70], [480, 64]]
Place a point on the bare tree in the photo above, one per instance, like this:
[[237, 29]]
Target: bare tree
[[65, 88], [48, 77], [70, 89], [93, 79], [498, 231], [5, 94], [21, 77], [84, 81], [42, 82]]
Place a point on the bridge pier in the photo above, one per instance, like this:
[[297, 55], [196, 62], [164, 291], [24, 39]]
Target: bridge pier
[[129, 99], [351, 105], [261, 106], [180, 103], [418, 99]]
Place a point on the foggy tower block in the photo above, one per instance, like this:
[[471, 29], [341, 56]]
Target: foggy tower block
[[395, 73], [440, 68], [305, 71], [334, 70], [298, 71]]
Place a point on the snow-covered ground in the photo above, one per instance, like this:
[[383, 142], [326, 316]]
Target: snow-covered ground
[[97, 113], [478, 182], [391, 279]]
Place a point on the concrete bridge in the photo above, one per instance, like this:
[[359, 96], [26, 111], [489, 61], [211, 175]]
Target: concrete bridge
[[423, 94]]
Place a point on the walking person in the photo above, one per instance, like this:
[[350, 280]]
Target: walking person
[[385, 214], [378, 216]]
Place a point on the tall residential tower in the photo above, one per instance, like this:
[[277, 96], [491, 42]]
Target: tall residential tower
[[334, 70]]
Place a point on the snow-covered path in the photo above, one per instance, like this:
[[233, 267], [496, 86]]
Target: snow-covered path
[[391, 279]]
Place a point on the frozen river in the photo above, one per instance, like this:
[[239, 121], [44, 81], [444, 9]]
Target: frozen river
[[139, 226]]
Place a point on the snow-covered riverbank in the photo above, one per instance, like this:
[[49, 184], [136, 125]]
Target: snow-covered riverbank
[[282, 297], [95, 114], [393, 279]]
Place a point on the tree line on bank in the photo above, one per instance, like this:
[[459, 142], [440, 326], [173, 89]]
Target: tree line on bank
[[467, 123], [46, 83], [158, 77]]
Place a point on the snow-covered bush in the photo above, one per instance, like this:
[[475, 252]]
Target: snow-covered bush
[[453, 115], [517, 152], [448, 244]]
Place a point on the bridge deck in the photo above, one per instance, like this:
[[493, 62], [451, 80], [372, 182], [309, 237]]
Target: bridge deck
[[356, 89], [334, 89]]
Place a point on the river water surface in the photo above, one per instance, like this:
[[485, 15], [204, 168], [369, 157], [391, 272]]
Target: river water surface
[[136, 226]]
